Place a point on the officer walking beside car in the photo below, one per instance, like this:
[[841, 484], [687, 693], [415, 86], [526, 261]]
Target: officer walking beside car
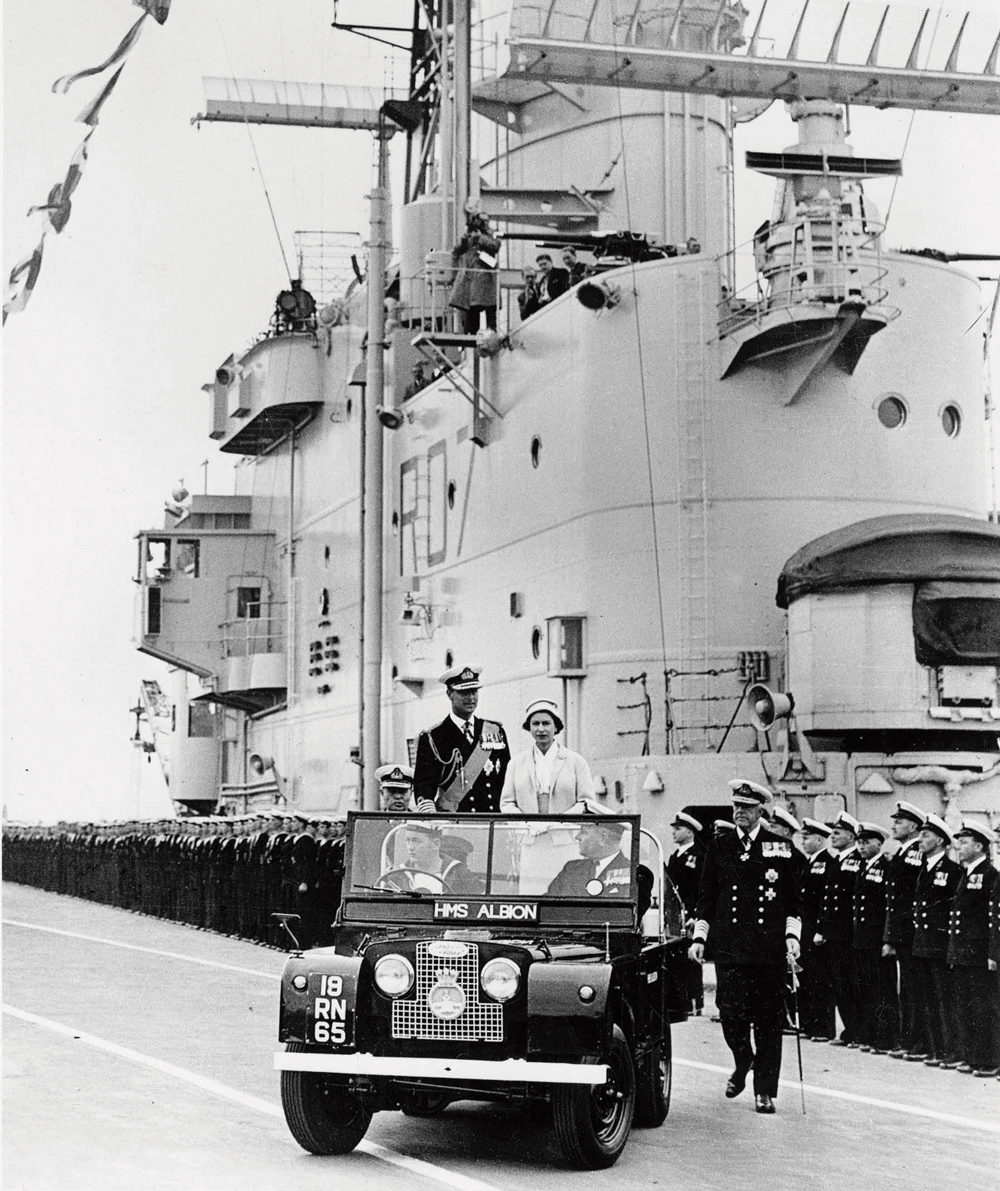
[[748, 905], [461, 762]]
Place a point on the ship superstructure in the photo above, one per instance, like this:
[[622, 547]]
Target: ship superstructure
[[727, 506]]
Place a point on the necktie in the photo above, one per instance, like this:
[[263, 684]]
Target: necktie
[[468, 731]]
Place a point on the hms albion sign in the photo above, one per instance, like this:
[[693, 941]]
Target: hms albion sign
[[488, 911]]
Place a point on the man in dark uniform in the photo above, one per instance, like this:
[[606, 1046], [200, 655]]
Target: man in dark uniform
[[395, 788], [684, 870], [461, 762], [901, 885], [749, 904], [601, 859], [433, 869], [934, 894], [878, 1002], [976, 983], [836, 926], [817, 1014]]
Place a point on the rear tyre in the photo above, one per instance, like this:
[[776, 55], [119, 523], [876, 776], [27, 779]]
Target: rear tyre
[[323, 1113], [592, 1123], [654, 1076]]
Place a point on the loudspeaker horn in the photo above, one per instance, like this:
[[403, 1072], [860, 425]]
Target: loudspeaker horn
[[766, 706]]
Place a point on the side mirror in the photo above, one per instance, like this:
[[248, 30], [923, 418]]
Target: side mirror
[[283, 920]]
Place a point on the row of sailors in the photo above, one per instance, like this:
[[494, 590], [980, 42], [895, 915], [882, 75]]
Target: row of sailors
[[903, 945], [226, 874]]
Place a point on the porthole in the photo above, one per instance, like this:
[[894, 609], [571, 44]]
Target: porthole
[[536, 642], [536, 450], [951, 420], [892, 411], [452, 489]]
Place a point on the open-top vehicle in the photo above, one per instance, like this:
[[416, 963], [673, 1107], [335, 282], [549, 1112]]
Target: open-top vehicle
[[525, 958]]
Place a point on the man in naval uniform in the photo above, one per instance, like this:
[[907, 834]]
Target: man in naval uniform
[[749, 905], [817, 1017], [977, 983], [684, 870], [934, 894], [836, 925], [395, 788], [461, 762], [601, 859], [897, 940], [878, 1002]]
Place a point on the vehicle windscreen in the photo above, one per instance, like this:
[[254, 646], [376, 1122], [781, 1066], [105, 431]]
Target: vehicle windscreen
[[573, 857]]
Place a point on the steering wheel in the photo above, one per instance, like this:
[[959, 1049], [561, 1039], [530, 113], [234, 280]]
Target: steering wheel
[[438, 883]]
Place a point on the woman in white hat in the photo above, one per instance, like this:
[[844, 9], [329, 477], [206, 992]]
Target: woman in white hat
[[547, 778]]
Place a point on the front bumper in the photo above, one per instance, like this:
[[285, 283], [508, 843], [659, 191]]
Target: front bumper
[[497, 1071]]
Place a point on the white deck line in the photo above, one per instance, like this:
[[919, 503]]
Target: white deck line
[[894, 1106], [416, 1166]]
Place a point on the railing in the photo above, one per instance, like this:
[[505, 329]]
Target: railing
[[426, 296], [253, 634], [806, 262]]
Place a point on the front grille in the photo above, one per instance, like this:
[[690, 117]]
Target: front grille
[[480, 1020]]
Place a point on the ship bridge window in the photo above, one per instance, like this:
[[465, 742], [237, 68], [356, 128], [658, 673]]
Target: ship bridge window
[[891, 411], [187, 556], [951, 420]]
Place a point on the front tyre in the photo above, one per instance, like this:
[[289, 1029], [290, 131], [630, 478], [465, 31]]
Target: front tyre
[[592, 1123], [323, 1113], [654, 1075]]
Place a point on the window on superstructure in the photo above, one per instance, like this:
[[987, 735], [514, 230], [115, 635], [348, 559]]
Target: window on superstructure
[[201, 721], [187, 557], [248, 603], [157, 558], [892, 411]]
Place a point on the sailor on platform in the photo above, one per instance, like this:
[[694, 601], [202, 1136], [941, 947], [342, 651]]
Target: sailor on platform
[[461, 762]]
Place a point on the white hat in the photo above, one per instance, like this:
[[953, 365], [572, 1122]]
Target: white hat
[[747, 793]]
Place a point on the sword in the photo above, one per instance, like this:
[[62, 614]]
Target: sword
[[795, 969]]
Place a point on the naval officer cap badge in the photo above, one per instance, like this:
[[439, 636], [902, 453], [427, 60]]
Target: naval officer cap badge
[[462, 678], [747, 793]]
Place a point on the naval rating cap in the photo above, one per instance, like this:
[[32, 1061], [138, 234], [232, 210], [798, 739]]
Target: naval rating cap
[[747, 793], [394, 775], [976, 830], [462, 678], [936, 824]]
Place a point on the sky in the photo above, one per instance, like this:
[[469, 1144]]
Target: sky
[[170, 262]]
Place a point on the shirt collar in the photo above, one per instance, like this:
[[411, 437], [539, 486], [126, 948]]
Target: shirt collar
[[750, 835], [979, 859], [933, 860], [682, 848], [460, 724]]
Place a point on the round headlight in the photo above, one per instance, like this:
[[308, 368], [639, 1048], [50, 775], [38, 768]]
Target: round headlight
[[501, 978], [300, 982], [394, 975]]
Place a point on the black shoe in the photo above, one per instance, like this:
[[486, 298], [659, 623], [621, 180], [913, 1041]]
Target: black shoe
[[986, 1072], [762, 1102], [915, 1058], [897, 1054], [735, 1084], [838, 1042]]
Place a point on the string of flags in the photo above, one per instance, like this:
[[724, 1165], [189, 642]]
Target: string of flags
[[58, 206]]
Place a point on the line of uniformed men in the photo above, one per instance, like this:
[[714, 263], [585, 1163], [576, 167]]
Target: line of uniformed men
[[224, 874], [904, 946]]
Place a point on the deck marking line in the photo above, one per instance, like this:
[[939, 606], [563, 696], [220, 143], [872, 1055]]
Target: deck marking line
[[191, 959], [933, 1114], [428, 1170]]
